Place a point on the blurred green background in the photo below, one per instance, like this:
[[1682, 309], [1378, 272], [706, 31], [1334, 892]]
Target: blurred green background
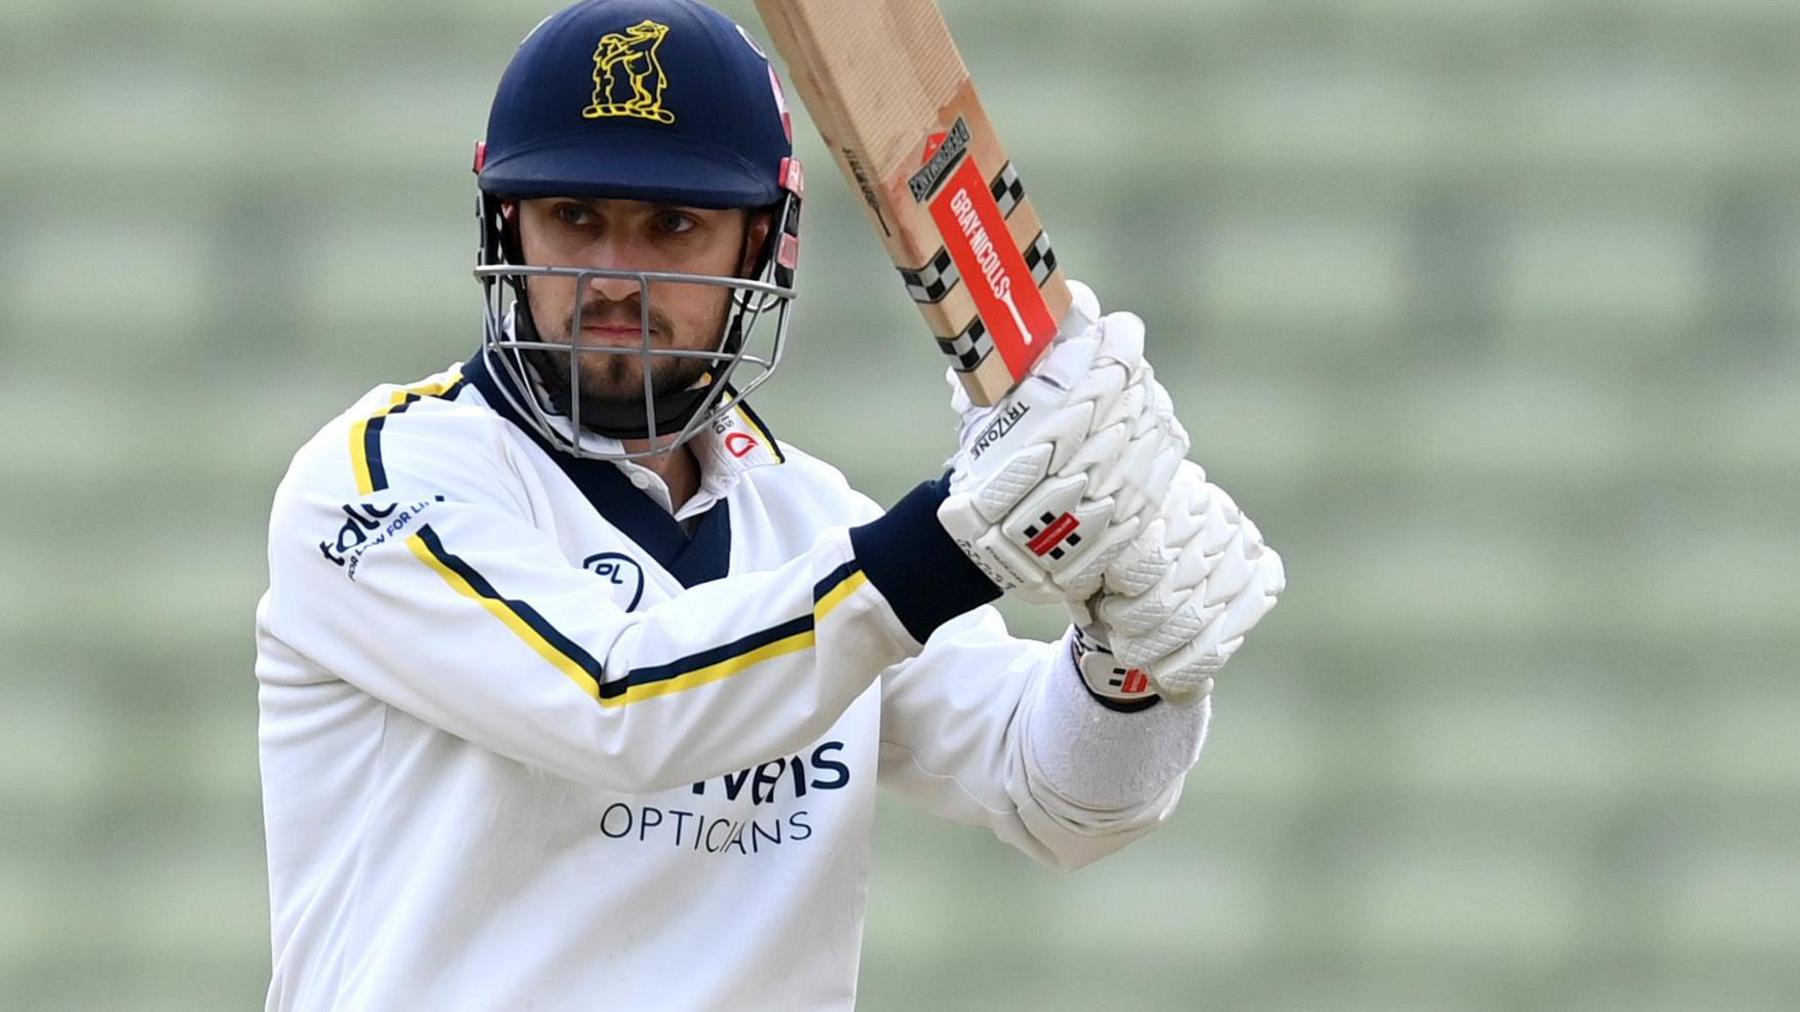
[[1486, 309]]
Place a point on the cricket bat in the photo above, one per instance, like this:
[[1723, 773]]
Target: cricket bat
[[889, 92]]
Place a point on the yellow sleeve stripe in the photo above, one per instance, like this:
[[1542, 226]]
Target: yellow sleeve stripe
[[698, 669], [633, 689], [722, 662], [836, 595], [365, 434], [525, 622]]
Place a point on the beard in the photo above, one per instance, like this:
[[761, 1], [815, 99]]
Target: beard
[[614, 380], [610, 389]]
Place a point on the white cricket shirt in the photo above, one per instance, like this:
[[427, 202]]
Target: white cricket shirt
[[529, 742]]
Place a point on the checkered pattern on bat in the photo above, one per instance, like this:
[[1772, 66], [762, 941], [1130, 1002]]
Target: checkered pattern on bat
[[1007, 189], [930, 283], [969, 348], [1040, 258]]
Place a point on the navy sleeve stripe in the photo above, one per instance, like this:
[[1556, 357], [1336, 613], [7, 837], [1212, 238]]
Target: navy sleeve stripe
[[716, 656], [837, 577], [525, 613], [365, 435]]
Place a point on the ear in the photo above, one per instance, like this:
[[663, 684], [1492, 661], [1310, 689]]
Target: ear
[[756, 234], [512, 245]]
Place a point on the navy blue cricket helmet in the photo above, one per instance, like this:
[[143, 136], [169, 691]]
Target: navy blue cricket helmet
[[665, 101]]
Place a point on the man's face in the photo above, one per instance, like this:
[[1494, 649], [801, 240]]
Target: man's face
[[639, 236]]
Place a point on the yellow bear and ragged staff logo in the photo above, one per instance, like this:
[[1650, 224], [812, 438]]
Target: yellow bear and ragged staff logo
[[628, 78]]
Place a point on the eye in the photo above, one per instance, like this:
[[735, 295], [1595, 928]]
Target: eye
[[574, 214], [675, 222]]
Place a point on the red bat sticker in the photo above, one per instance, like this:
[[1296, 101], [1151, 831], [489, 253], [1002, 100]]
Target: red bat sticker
[[1005, 294]]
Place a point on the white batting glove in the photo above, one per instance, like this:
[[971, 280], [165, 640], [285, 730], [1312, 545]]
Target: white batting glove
[[1051, 485], [1179, 604]]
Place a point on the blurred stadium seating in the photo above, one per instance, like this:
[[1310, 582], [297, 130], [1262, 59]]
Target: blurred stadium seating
[[1486, 309]]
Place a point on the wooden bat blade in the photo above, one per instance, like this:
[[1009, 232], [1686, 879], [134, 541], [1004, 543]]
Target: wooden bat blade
[[890, 94]]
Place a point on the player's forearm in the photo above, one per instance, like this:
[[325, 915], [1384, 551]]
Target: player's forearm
[[986, 729], [1014, 743], [1096, 767]]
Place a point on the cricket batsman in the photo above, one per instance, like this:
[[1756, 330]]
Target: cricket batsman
[[576, 684]]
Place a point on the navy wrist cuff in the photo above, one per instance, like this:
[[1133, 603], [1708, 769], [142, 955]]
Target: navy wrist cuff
[[916, 565]]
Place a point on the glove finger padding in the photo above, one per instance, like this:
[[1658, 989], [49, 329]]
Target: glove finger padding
[[1191, 668], [1087, 574], [1230, 572], [1142, 565], [1148, 558], [1158, 620], [1212, 564], [1189, 597], [1140, 423]]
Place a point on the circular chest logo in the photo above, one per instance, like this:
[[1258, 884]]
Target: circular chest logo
[[622, 572]]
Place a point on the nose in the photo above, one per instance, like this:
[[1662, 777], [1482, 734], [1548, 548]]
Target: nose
[[614, 253], [613, 289]]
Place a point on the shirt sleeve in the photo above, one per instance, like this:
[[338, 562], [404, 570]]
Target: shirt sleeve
[[452, 605], [1000, 732]]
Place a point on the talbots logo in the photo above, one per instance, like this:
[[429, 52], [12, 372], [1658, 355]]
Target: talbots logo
[[628, 78], [368, 525], [622, 572]]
